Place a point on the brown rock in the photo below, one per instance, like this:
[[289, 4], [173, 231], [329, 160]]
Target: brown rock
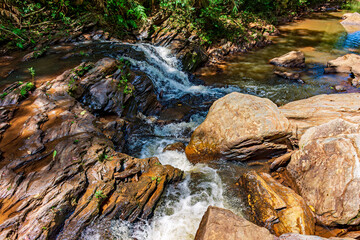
[[340, 88], [239, 127], [292, 59], [222, 224], [178, 146], [288, 75], [281, 161], [351, 22], [59, 171], [275, 206], [355, 82], [326, 169], [314, 111], [349, 63]]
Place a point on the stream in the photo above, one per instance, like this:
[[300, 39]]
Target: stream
[[320, 36]]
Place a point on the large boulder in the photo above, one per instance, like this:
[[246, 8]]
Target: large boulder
[[349, 63], [223, 224], [293, 59], [317, 110], [326, 170], [239, 127], [274, 206]]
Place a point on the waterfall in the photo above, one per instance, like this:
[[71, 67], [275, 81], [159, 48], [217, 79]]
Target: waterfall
[[165, 71]]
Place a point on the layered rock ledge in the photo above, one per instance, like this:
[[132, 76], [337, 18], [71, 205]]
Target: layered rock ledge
[[59, 170]]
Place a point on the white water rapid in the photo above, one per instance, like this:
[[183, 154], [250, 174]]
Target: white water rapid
[[179, 213]]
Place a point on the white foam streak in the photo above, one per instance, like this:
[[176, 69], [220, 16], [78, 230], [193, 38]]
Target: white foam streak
[[166, 73]]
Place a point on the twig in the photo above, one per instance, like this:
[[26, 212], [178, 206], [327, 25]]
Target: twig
[[32, 13], [5, 30]]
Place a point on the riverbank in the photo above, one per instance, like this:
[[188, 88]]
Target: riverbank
[[201, 34]]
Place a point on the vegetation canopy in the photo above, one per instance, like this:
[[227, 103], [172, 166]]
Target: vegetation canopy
[[24, 22]]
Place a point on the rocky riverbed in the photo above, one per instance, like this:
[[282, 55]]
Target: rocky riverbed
[[124, 147]]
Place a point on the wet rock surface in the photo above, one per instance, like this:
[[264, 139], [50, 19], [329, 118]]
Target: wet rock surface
[[240, 127], [111, 87], [59, 170], [275, 206], [293, 59], [178, 146], [326, 169]]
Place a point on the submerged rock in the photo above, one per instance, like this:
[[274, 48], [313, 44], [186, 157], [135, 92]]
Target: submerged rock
[[314, 111], [288, 75], [223, 224], [293, 59], [178, 146], [275, 206], [355, 82], [240, 127], [326, 170], [59, 171], [340, 88]]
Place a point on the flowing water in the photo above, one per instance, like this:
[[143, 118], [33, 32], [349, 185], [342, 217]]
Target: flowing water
[[179, 212]]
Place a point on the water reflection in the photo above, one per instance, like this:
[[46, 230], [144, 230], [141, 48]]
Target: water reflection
[[321, 37]]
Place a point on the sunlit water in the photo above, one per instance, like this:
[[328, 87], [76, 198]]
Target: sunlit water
[[320, 36]]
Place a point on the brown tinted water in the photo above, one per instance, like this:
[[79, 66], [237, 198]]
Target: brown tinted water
[[320, 36]]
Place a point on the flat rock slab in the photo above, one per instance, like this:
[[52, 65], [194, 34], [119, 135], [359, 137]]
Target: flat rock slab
[[317, 110]]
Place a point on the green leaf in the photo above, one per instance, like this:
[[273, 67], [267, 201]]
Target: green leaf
[[54, 154]]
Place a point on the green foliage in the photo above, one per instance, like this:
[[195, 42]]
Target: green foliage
[[3, 95], [124, 78], [104, 157], [54, 154], [352, 5], [125, 13], [23, 23], [24, 90], [100, 194], [32, 73]]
